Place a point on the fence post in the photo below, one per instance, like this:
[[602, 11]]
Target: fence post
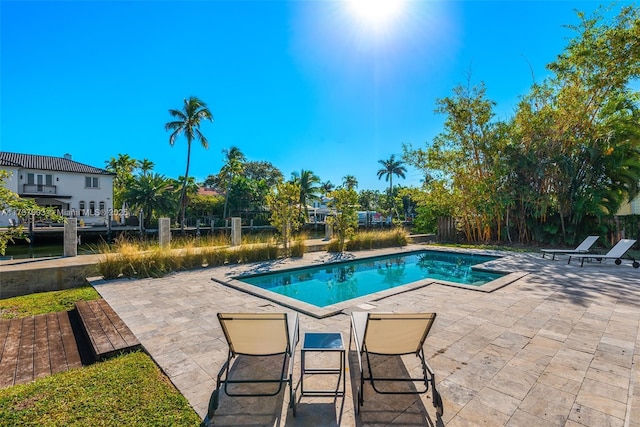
[[164, 232], [71, 237], [236, 231]]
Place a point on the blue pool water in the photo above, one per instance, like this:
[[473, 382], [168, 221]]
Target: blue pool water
[[334, 283]]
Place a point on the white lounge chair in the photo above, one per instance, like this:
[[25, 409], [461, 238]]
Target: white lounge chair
[[257, 334], [393, 334], [616, 253], [582, 248]]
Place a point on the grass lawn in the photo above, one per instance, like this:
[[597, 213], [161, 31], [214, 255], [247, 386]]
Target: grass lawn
[[45, 302], [128, 390]]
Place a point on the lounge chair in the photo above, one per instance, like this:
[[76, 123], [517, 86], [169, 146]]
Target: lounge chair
[[616, 253], [393, 334], [582, 248], [257, 334]]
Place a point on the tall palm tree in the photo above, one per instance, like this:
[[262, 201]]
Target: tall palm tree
[[232, 168], [350, 182], [188, 122], [145, 166], [309, 188], [389, 168]]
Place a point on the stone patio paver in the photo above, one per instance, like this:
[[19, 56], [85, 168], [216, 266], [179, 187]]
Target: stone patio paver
[[557, 347]]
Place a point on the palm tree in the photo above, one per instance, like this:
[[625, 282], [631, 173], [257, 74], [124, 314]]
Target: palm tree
[[350, 182], [153, 193], [391, 167], [232, 168], [326, 187], [123, 167], [309, 188], [188, 122], [145, 166]]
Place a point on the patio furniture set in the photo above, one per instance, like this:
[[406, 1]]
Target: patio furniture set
[[272, 334], [583, 252]]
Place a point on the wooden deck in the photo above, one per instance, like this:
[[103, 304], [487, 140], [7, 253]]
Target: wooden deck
[[107, 333], [37, 346]]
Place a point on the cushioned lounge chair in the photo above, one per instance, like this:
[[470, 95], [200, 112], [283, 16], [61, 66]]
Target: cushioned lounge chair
[[257, 334], [616, 253], [393, 334], [582, 248]]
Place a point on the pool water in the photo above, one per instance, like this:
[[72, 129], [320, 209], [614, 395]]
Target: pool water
[[333, 283]]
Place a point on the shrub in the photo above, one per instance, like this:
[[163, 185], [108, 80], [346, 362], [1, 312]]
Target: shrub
[[377, 239], [214, 257], [298, 248], [110, 266], [334, 246]]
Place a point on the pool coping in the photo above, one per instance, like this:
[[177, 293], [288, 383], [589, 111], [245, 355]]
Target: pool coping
[[231, 281]]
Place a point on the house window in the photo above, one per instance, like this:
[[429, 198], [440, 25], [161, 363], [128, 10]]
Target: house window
[[82, 207], [91, 182], [92, 207], [102, 210], [40, 180]]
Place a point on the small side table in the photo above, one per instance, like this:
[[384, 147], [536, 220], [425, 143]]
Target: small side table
[[323, 342]]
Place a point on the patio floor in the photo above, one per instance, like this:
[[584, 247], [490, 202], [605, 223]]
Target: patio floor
[[559, 346]]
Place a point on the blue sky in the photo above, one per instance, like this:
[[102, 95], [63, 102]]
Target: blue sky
[[302, 84]]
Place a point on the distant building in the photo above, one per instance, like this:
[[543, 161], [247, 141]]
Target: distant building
[[74, 189], [210, 191], [631, 208]]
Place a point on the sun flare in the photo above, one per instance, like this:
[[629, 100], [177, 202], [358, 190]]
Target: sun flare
[[376, 13]]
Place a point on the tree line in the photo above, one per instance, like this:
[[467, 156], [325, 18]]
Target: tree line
[[562, 165], [241, 188]]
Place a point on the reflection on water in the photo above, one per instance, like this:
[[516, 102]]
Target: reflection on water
[[22, 251], [392, 272], [326, 285]]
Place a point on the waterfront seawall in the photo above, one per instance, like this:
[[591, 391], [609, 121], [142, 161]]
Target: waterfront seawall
[[24, 277]]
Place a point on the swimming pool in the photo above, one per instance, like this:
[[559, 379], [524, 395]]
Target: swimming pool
[[330, 284]]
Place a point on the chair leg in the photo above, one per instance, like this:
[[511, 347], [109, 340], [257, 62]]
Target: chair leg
[[437, 403], [292, 391], [437, 399], [361, 389], [213, 405]]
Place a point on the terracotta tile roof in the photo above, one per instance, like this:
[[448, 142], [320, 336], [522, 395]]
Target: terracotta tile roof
[[48, 163], [208, 191]]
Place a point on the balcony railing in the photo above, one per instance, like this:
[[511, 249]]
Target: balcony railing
[[38, 189]]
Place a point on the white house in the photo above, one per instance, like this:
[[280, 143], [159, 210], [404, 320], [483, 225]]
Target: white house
[[74, 189], [631, 208]]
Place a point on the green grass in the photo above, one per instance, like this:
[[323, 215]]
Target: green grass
[[128, 390], [45, 302]]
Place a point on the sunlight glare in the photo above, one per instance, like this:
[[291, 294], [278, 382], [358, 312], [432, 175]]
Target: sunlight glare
[[376, 13]]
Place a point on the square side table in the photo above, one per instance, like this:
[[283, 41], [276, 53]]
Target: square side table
[[323, 342]]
